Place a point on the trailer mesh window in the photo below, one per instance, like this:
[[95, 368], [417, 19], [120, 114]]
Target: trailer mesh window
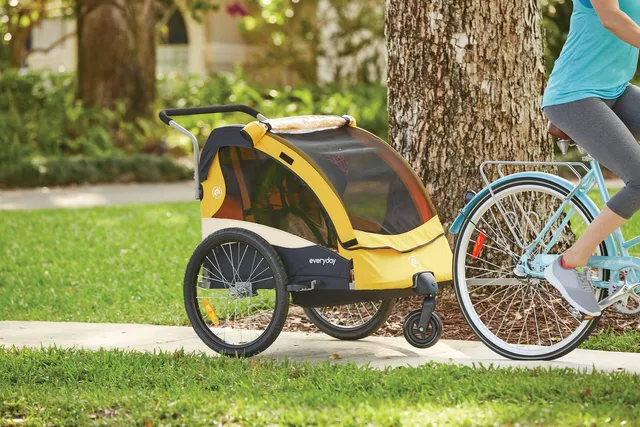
[[378, 188], [261, 190]]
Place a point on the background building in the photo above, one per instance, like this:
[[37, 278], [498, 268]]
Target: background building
[[214, 44]]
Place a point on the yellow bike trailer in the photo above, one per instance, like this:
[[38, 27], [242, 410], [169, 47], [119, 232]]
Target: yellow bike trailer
[[310, 210]]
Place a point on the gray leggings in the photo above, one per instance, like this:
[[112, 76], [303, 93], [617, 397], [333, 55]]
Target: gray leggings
[[609, 130]]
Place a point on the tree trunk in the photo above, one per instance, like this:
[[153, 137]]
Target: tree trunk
[[464, 82], [17, 45], [117, 54]]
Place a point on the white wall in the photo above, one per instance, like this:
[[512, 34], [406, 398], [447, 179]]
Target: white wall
[[64, 56], [224, 48], [215, 44]]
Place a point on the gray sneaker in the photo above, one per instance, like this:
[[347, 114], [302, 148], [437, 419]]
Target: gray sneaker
[[575, 287]]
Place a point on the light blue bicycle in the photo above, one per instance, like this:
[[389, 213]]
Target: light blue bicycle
[[509, 233]]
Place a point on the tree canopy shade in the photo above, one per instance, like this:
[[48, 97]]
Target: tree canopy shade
[[464, 86], [17, 19], [117, 50], [287, 30]]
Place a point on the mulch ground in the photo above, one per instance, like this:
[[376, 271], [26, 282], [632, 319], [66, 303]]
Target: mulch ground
[[455, 327]]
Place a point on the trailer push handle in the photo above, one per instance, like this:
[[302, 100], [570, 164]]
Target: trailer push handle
[[166, 117]]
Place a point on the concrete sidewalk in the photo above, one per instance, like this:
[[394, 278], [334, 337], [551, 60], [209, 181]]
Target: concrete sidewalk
[[378, 352], [98, 195]]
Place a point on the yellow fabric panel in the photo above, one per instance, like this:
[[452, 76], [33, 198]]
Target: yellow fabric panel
[[390, 269], [314, 179], [402, 242], [394, 268], [213, 190]]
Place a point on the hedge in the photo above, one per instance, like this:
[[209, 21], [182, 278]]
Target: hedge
[[57, 171], [47, 137]]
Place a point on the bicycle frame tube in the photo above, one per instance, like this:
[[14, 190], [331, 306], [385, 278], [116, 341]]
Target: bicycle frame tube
[[621, 244], [590, 178], [615, 263], [604, 194]]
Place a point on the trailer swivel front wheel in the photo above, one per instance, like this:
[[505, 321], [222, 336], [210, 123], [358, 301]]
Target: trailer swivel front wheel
[[428, 336]]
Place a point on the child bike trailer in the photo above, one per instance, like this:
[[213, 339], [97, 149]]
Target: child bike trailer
[[312, 211]]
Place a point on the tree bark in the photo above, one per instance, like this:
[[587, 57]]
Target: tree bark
[[17, 45], [117, 54], [464, 83]]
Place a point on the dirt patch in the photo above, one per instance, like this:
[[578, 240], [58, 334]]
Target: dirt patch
[[455, 327]]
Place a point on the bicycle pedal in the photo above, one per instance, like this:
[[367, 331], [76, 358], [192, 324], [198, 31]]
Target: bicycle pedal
[[580, 316]]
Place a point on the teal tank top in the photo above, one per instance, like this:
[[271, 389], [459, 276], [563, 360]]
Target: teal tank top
[[594, 62]]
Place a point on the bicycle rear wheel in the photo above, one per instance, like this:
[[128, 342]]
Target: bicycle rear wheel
[[522, 318]]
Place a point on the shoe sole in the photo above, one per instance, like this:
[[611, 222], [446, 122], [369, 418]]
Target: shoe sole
[[551, 278]]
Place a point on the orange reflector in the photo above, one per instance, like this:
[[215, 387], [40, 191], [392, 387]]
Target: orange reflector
[[477, 248], [210, 312]]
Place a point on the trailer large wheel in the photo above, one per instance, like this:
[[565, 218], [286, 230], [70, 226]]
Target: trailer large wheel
[[235, 292], [351, 321]]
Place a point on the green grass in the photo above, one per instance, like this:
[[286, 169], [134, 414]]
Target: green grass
[[112, 264], [125, 264], [70, 387], [629, 341], [630, 229], [121, 264]]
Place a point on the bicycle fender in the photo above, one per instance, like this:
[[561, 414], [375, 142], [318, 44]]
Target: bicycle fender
[[580, 195]]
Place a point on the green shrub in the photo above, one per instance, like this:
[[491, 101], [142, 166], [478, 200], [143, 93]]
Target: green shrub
[[40, 118], [39, 115], [366, 102], [58, 171]]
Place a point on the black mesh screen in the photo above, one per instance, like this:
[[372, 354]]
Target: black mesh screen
[[261, 190], [379, 191]]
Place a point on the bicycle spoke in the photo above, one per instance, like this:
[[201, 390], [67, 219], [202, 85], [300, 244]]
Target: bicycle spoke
[[348, 316], [523, 314], [236, 311]]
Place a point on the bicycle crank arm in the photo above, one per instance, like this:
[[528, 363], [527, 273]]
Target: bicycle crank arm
[[620, 294]]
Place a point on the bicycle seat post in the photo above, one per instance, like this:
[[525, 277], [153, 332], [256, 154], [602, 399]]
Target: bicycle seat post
[[563, 145]]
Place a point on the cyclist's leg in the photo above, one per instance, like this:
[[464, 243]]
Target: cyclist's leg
[[593, 124], [627, 107]]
